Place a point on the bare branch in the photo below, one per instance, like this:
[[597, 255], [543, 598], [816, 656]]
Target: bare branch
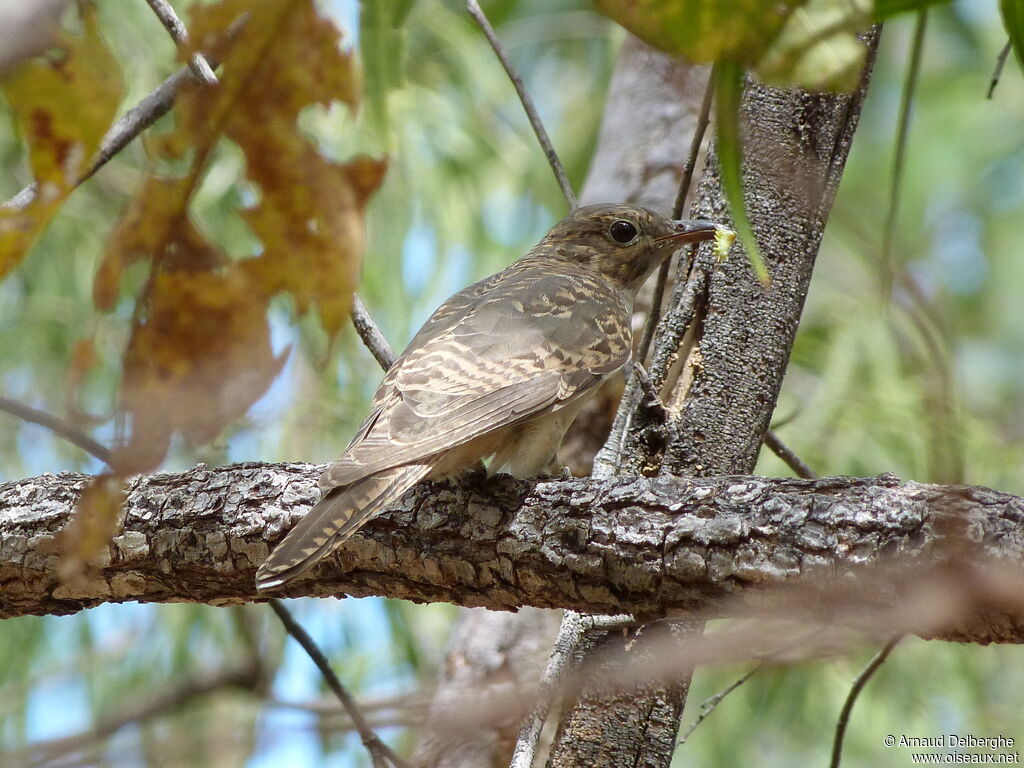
[[137, 119], [197, 63], [380, 753], [998, 71], [851, 697], [560, 662], [784, 452], [714, 547], [531, 111], [370, 333], [412, 704], [247, 676], [58, 426]]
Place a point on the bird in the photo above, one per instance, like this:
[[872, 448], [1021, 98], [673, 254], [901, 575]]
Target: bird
[[499, 371]]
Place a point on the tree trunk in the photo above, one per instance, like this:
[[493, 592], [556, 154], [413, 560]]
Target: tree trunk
[[721, 385]]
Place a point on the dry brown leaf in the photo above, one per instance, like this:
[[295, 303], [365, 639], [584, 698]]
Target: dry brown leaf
[[86, 536], [197, 360], [310, 216], [199, 353]]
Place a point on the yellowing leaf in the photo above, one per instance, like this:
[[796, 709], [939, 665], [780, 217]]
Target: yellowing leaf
[[312, 249], [199, 353], [818, 48], [310, 216], [808, 43], [703, 30], [64, 103], [156, 225]]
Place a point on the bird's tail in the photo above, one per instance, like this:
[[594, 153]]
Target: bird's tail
[[338, 514]]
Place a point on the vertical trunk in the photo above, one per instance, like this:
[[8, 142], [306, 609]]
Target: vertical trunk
[[724, 379]]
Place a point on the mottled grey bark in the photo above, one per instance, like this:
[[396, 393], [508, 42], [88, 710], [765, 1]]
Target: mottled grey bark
[[720, 362], [649, 546]]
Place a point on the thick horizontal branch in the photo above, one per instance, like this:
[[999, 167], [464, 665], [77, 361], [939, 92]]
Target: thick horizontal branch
[[715, 547]]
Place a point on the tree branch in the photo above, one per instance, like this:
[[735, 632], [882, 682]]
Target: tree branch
[[713, 547], [851, 698], [710, 704], [473, 7], [133, 122], [774, 443], [248, 676], [380, 753], [57, 425], [371, 334], [197, 63]]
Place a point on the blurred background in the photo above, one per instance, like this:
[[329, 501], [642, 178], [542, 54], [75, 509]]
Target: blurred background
[[925, 380]]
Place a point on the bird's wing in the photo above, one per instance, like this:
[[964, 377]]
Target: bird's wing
[[529, 341]]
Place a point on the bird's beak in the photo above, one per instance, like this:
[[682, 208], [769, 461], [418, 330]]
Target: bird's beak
[[689, 231]]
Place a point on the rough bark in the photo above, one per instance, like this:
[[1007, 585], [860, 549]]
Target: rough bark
[[721, 370], [646, 545]]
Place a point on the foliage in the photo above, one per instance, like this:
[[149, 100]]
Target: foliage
[[925, 382], [64, 103]]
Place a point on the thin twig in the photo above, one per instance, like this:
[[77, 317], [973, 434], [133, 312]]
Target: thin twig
[[703, 118], [415, 704], [136, 711], [531, 111], [709, 704], [133, 122], [56, 425], [851, 697], [380, 753], [657, 299], [998, 71], [784, 452], [900, 156], [197, 62], [370, 333]]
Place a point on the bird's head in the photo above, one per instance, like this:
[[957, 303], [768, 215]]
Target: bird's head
[[622, 242]]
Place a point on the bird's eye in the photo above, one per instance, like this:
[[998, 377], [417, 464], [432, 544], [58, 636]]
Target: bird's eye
[[622, 231]]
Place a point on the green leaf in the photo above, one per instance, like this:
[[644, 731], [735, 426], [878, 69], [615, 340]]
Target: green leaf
[[1013, 20], [728, 91], [885, 9]]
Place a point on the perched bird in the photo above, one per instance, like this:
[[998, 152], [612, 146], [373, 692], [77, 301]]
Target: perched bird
[[499, 370]]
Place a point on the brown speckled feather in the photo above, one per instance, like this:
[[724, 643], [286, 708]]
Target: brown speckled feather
[[497, 360], [499, 369]]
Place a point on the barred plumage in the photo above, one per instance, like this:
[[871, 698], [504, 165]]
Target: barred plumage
[[500, 369]]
